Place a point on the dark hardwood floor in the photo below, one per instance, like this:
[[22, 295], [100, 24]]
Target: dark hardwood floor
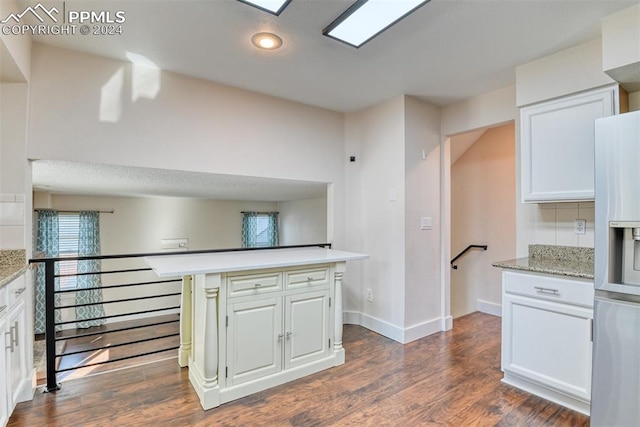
[[447, 379]]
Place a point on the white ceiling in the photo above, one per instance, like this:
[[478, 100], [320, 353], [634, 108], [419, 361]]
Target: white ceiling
[[446, 51], [109, 180]]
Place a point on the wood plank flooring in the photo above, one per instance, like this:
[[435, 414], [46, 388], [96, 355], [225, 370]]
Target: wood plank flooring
[[447, 379]]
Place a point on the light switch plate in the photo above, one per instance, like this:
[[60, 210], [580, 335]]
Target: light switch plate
[[425, 223]]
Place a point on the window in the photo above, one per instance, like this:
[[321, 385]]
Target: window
[[68, 233], [259, 229]]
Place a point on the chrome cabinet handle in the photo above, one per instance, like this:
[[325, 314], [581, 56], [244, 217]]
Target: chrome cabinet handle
[[257, 285], [546, 290], [14, 338], [289, 334], [20, 291], [10, 346], [280, 336]]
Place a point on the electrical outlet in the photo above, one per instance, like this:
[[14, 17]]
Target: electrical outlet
[[580, 226], [369, 295]]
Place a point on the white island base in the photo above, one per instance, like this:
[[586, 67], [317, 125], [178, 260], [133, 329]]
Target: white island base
[[257, 319]]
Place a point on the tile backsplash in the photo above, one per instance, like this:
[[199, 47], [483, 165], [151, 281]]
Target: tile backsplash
[[12, 221], [555, 224]]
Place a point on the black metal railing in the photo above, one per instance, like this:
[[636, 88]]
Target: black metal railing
[[467, 249], [53, 328]]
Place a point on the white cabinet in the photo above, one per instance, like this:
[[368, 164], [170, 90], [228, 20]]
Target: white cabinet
[[557, 145], [267, 335], [276, 328], [546, 337], [4, 387], [254, 338], [14, 357], [252, 329]]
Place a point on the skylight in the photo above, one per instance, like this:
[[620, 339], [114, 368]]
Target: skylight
[[365, 19], [272, 6]]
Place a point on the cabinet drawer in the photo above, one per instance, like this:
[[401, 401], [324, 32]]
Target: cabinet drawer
[[15, 290], [318, 276], [252, 284], [568, 291]]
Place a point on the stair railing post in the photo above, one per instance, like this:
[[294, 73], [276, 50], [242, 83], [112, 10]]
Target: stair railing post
[[50, 327]]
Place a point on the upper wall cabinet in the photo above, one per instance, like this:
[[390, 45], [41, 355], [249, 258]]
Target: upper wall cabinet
[[557, 145]]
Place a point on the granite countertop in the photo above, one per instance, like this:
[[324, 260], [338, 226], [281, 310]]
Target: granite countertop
[[12, 264], [560, 260]]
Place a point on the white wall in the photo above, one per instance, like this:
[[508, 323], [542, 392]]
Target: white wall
[[390, 188], [375, 214], [483, 212], [422, 199], [15, 50], [87, 108], [563, 73], [621, 40], [303, 221]]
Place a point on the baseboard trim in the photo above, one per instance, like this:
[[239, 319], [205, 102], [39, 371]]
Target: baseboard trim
[[390, 331], [489, 308]]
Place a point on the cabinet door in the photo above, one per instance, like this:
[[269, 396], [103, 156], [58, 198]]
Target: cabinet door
[[254, 340], [306, 327], [4, 385], [549, 343], [16, 351], [558, 143]]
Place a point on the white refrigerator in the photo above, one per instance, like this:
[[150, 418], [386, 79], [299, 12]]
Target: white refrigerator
[[615, 390]]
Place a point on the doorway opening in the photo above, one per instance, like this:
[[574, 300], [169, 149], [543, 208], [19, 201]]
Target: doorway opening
[[482, 212]]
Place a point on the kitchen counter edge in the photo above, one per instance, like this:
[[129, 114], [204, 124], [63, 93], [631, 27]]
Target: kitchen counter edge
[[581, 270]]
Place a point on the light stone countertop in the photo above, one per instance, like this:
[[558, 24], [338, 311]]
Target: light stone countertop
[[181, 265], [12, 264], [559, 260]]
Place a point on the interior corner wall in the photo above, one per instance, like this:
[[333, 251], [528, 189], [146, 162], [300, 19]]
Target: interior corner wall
[[422, 199], [376, 215]]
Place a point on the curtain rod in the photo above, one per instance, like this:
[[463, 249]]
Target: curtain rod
[[243, 212], [78, 211]]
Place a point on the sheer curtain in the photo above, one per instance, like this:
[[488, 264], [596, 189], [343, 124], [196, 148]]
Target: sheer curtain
[[89, 287], [47, 244]]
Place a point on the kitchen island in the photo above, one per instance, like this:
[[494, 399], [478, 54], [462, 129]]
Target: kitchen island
[[251, 320]]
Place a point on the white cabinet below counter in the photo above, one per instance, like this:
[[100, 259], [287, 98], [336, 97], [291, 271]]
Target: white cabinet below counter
[[547, 337], [16, 385], [557, 140]]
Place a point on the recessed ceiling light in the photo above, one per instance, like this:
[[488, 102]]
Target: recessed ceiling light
[[267, 41], [274, 7], [365, 19]]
